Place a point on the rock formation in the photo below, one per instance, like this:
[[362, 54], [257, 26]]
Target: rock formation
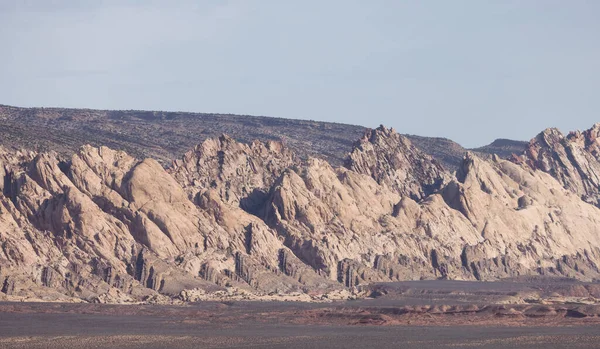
[[164, 136], [236, 171], [103, 226], [392, 160], [573, 160]]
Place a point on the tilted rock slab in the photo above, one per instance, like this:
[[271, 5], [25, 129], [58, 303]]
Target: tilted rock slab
[[103, 226]]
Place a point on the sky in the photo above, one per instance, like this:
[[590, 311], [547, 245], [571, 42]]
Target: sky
[[468, 70]]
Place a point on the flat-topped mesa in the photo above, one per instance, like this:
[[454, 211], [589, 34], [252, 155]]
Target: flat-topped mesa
[[392, 160], [574, 160], [235, 170], [504, 148]]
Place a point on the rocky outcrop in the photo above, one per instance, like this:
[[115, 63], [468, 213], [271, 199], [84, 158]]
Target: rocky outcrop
[[574, 160], [392, 160], [496, 219], [239, 173], [519, 238], [103, 226]]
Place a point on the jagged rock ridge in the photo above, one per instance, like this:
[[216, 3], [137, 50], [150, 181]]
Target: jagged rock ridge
[[104, 226], [574, 160], [392, 160]]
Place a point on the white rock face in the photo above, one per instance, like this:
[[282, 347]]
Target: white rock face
[[573, 160], [106, 227]]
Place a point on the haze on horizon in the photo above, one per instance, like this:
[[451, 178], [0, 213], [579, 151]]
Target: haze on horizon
[[468, 70]]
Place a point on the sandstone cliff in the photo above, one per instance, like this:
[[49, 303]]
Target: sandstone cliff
[[104, 226], [392, 160], [574, 160]]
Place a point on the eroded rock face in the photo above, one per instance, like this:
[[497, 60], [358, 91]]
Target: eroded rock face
[[574, 160], [392, 160], [239, 173], [103, 226], [525, 216], [496, 219]]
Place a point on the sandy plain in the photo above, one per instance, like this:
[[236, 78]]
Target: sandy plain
[[435, 314]]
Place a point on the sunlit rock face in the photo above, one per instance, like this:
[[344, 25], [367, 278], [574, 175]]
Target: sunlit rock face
[[393, 161], [573, 160], [103, 226]]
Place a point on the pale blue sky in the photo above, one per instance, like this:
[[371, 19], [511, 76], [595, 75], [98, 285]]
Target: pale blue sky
[[471, 71]]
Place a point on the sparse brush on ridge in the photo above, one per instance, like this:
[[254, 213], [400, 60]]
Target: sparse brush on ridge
[[100, 225]]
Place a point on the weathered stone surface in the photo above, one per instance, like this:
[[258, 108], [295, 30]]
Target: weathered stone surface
[[392, 160], [238, 172], [574, 160], [103, 226]]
